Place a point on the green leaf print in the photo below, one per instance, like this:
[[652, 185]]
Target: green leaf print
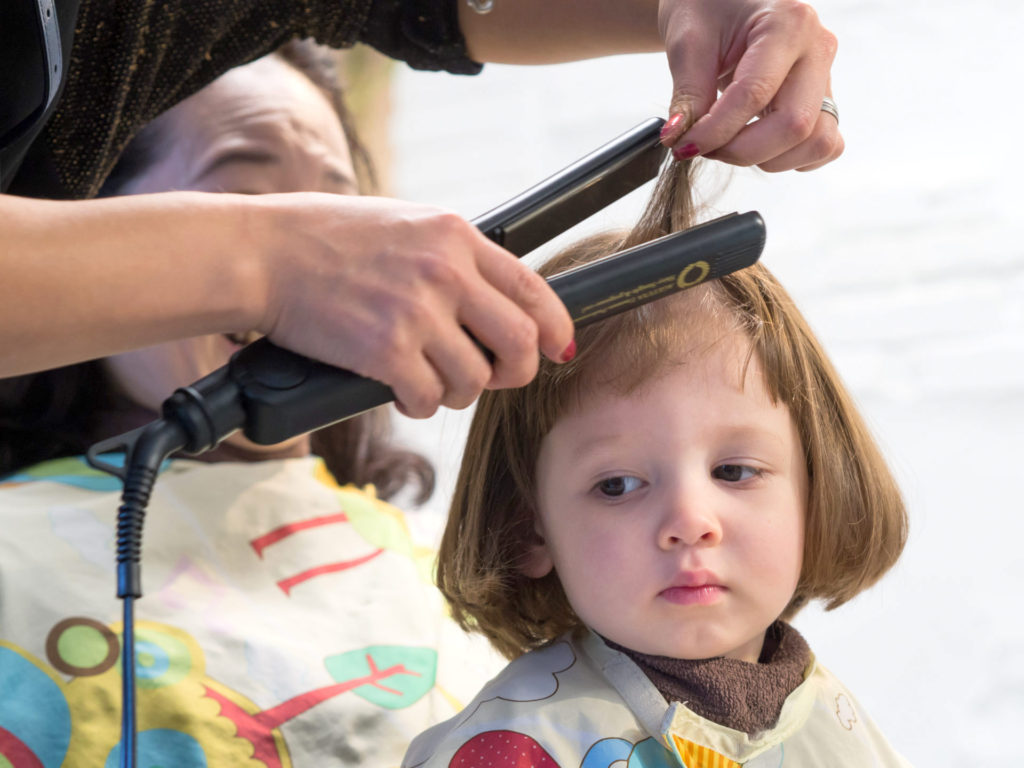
[[393, 676]]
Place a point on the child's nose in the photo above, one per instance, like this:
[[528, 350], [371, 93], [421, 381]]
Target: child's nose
[[689, 519]]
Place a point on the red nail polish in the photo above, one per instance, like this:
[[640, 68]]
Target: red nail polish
[[671, 125], [685, 152], [570, 352]]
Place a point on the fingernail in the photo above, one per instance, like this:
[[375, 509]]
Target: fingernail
[[686, 151], [671, 125], [570, 352]]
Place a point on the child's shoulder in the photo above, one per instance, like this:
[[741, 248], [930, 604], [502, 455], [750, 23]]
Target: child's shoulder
[[524, 710], [839, 727], [821, 723], [535, 707]]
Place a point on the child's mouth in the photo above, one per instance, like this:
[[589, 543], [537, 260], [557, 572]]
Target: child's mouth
[[705, 594]]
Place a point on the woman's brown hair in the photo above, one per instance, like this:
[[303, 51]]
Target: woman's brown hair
[[61, 412], [855, 525]]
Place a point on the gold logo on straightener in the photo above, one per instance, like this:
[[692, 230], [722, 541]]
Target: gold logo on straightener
[[694, 273]]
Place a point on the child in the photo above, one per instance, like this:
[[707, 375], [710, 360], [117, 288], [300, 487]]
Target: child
[[635, 529]]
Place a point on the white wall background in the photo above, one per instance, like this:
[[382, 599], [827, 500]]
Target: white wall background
[[907, 256]]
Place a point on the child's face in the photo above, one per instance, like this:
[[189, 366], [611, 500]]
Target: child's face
[[674, 516]]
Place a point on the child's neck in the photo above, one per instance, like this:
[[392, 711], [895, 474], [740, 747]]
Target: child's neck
[[737, 694]]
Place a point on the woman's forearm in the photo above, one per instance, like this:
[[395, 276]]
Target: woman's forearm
[[85, 279], [380, 287], [545, 32]]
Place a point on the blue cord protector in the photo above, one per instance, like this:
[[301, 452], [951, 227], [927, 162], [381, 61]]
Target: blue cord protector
[[146, 449]]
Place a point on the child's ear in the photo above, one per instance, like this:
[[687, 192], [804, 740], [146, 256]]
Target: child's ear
[[537, 562]]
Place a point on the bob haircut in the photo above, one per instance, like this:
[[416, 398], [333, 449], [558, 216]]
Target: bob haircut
[[855, 523]]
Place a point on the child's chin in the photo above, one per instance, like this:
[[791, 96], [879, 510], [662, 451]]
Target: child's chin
[[697, 649]]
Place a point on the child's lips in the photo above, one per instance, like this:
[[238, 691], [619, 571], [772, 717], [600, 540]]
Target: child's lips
[[700, 587], [706, 594], [698, 577]]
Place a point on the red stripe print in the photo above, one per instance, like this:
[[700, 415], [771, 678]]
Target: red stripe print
[[287, 584], [283, 532]]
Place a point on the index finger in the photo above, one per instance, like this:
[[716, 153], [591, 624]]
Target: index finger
[[757, 79], [531, 293]]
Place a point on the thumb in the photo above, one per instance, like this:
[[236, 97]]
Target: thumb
[[694, 68]]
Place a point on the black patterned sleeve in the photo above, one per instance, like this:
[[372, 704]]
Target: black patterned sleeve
[[133, 59], [423, 33]]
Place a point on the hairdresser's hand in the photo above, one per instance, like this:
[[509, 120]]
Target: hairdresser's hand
[[771, 59], [384, 288]]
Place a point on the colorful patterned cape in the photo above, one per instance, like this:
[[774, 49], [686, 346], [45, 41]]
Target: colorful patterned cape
[[579, 704], [285, 622]]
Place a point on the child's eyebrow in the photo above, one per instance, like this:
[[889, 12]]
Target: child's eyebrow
[[596, 438], [753, 432]]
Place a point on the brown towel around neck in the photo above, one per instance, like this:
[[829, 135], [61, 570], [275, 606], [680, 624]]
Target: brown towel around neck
[[737, 694]]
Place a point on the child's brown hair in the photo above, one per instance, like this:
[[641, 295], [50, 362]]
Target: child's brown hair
[[855, 525]]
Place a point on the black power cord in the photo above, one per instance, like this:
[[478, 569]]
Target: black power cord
[[145, 450], [195, 419]]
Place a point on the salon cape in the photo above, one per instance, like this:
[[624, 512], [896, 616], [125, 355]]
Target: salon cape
[[577, 703], [284, 619]]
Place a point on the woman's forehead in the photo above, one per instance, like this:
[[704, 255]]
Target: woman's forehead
[[266, 104], [268, 86]]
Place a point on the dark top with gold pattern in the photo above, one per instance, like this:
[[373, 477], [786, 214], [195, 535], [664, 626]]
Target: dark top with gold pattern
[[130, 60]]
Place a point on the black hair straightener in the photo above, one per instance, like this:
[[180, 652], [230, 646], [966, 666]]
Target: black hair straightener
[[33, 62], [272, 394]]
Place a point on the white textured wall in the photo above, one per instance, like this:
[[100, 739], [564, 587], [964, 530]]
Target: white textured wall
[[907, 256]]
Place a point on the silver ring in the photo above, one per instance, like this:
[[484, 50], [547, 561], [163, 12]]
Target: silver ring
[[828, 104], [481, 6]]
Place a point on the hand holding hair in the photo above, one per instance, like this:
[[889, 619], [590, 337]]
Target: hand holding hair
[[771, 60]]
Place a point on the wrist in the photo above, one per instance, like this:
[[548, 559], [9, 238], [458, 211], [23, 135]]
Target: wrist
[[205, 247], [542, 32], [213, 244], [250, 255]]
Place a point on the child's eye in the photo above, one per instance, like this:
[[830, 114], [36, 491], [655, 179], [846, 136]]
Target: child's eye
[[734, 473], [617, 486]]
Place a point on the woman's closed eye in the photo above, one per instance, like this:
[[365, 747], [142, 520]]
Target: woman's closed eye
[[735, 473], [620, 485]]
